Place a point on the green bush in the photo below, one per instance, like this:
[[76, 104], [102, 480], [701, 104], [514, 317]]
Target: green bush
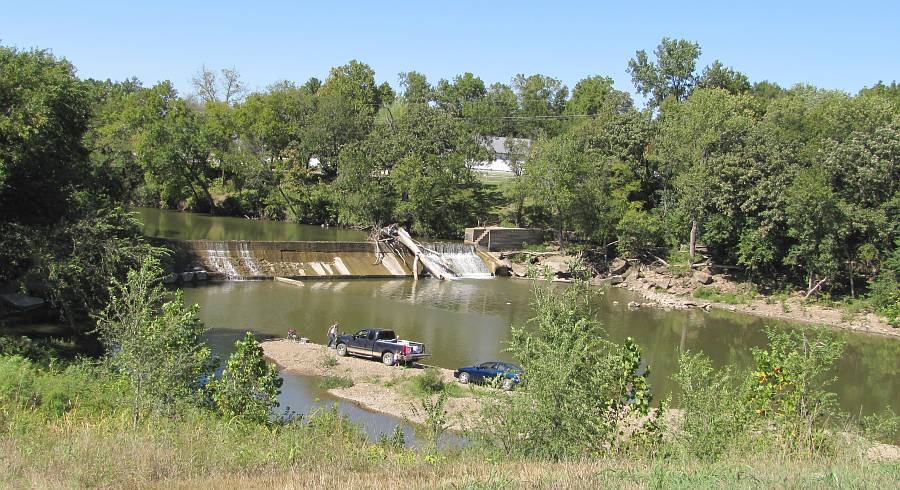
[[789, 388], [716, 415], [639, 232], [333, 382], [429, 382]]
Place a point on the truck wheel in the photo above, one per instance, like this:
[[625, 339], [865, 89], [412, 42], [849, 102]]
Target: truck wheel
[[341, 350], [507, 384], [464, 378], [388, 358]]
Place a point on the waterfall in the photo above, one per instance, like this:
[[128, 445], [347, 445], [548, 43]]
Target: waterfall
[[219, 260], [459, 259], [247, 259]]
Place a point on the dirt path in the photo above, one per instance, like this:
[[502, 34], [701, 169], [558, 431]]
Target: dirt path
[[377, 387]]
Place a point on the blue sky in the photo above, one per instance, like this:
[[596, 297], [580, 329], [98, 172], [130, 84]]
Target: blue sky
[[841, 45]]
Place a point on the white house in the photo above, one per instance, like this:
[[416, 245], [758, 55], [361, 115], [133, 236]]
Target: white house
[[501, 148]]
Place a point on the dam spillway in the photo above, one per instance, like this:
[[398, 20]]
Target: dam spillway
[[247, 259]]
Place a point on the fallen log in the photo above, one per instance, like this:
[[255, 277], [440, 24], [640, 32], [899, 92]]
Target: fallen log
[[814, 288], [433, 268]]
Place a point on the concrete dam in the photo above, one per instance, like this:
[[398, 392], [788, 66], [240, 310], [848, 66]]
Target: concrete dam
[[244, 259]]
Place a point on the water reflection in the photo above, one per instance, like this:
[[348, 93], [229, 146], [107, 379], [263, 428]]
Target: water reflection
[[196, 226], [465, 322]]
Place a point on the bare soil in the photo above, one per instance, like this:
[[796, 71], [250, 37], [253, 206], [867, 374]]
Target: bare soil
[[377, 387]]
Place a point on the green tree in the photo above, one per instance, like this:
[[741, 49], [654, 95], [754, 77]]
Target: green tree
[[671, 75], [416, 89], [580, 390], [44, 112], [347, 104], [170, 147], [555, 170], [249, 386], [541, 99], [465, 89], [155, 341], [817, 225], [718, 75], [493, 114], [596, 95]]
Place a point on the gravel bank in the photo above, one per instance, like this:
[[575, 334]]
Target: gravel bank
[[375, 387]]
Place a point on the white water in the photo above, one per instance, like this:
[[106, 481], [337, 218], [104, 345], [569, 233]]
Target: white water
[[459, 260], [247, 259], [220, 261]]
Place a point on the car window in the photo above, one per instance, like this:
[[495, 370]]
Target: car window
[[387, 335], [509, 367], [372, 335], [487, 365], [361, 333]]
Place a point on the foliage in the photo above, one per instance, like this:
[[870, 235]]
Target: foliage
[[581, 389], [436, 417], [249, 385], [430, 382], [43, 114], [789, 386], [154, 341], [715, 407], [671, 75], [335, 382], [639, 233]]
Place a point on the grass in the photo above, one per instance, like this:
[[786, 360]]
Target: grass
[[333, 382], [680, 263], [71, 428], [494, 178], [430, 382], [329, 361], [716, 295]]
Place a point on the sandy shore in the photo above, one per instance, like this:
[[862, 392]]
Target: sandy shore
[[376, 387], [792, 311]]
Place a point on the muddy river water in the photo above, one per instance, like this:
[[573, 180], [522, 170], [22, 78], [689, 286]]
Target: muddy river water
[[464, 322]]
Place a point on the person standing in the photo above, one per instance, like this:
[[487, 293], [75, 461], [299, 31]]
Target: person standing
[[332, 334]]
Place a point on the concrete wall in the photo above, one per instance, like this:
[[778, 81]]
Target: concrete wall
[[256, 259], [497, 239]]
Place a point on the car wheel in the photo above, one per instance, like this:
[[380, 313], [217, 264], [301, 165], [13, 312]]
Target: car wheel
[[464, 378], [388, 358], [507, 384], [341, 350]]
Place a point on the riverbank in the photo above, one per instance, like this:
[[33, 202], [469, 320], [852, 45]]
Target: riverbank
[[706, 289], [373, 385]]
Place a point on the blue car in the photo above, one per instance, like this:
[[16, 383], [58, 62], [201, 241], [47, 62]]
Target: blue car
[[509, 374]]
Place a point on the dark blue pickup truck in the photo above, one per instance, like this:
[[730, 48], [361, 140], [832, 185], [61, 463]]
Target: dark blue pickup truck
[[381, 344]]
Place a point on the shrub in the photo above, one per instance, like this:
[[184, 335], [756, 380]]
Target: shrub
[[429, 382], [789, 387], [332, 382], [714, 407], [582, 390], [639, 232], [249, 386]]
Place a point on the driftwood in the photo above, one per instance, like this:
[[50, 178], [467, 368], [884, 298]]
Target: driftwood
[[530, 254], [403, 237], [814, 288]]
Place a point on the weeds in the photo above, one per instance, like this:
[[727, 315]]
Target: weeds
[[335, 382], [329, 361], [716, 295], [430, 382]]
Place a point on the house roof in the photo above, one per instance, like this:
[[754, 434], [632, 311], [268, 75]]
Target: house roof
[[499, 144]]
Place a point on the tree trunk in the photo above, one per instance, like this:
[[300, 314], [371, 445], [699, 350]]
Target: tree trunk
[[693, 246]]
